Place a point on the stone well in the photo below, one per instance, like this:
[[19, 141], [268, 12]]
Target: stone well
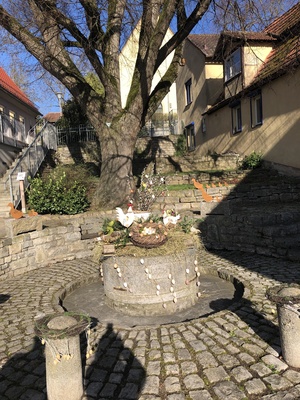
[[152, 285]]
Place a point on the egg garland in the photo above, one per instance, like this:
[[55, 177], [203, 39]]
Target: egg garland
[[189, 278]]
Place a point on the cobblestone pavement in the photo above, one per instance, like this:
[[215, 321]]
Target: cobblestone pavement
[[233, 354]]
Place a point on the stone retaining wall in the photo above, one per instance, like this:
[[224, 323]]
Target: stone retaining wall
[[162, 150], [254, 217], [34, 242]]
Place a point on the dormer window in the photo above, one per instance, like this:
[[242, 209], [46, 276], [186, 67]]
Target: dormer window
[[233, 65]]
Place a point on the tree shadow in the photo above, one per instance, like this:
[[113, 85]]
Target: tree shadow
[[113, 372], [262, 327], [255, 225], [23, 376]]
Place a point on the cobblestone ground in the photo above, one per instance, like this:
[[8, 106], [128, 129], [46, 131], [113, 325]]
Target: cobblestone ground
[[233, 354]]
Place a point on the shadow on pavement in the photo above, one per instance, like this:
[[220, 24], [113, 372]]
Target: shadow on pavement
[[114, 372], [262, 327], [23, 376]]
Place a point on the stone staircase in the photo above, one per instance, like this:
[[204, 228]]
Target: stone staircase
[[4, 186], [260, 215], [28, 160]]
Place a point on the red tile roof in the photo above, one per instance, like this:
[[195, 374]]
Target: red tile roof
[[282, 59], [206, 43], [285, 22], [244, 35], [9, 85], [52, 117]]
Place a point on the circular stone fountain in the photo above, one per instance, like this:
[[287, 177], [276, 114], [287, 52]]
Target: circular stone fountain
[[152, 285]]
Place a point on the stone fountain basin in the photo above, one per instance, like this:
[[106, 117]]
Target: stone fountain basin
[[152, 285]]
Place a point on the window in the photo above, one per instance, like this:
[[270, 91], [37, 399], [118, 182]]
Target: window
[[1, 119], [21, 124], [12, 120], [256, 110], [203, 123], [190, 137], [188, 91], [233, 65], [236, 118]]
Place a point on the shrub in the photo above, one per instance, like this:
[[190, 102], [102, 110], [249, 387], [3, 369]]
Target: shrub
[[180, 146], [252, 161], [57, 195]]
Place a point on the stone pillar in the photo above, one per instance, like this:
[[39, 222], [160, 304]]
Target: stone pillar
[[287, 299], [63, 359]]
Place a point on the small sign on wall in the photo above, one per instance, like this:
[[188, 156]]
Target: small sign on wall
[[21, 176]]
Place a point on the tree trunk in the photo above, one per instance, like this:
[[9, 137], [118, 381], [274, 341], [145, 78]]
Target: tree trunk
[[116, 186]]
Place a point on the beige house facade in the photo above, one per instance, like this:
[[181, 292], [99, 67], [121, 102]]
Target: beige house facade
[[166, 114], [258, 106], [199, 84]]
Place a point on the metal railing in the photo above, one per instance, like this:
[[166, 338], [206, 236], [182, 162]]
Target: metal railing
[[81, 133], [44, 140], [86, 133], [159, 129]]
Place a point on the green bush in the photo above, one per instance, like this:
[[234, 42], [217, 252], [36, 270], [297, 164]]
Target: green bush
[[252, 161], [180, 146], [57, 195]]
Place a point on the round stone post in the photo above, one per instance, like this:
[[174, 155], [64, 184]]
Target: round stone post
[[287, 299], [60, 333]]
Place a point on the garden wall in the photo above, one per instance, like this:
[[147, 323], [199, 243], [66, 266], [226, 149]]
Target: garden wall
[[33, 242], [259, 214], [159, 149]]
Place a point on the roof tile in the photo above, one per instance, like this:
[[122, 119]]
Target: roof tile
[[9, 85], [205, 42], [285, 22]]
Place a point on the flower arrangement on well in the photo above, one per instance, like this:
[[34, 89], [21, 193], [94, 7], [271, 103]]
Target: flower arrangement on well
[[151, 187]]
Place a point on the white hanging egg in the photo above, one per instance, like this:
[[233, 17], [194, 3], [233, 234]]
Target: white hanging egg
[[199, 294], [173, 281], [157, 293], [115, 265], [149, 276], [142, 261], [146, 270], [198, 283], [187, 271], [171, 289], [195, 262], [175, 300], [125, 284], [157, 287], [170, 276]]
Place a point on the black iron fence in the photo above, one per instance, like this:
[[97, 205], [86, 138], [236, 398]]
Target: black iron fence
[[81, 133]]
